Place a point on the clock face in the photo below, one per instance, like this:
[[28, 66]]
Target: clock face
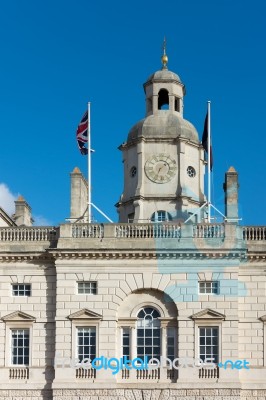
[[160, 168]]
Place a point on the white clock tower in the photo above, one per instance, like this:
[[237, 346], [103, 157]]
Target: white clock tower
[[163, 157]]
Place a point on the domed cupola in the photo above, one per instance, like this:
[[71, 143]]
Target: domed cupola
[[163, 158], [164, 90], [163, 125]]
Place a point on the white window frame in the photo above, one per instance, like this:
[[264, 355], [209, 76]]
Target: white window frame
[[175, 339], [131, 323], [208, 324], [83, 323], [218, 341], [157, 217], [21, 284], [212, 292], [77, 344], [129, 328], [12, 347], [10, 326], [159, 329], [88, 282]]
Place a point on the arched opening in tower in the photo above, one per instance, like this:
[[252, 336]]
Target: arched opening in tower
[[163, 100]]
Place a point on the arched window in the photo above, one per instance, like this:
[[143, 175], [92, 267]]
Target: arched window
[[163, 100], [160, 216], [148, 334]]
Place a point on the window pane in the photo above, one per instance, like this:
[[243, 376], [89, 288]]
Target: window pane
[[148, 333], [160, 216], [89, 287], [21, 289], [148, 310], [209, 343], [126, 342], [147, 322], [86, 343], [141, 314], [208, 287], [20, 346]]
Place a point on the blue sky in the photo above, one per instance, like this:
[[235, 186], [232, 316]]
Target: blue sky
[[58, 55]]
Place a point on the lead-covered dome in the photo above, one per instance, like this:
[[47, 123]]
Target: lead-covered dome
[[164, 125], [163, 75]]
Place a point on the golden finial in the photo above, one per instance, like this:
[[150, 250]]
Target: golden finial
[[164, 57]]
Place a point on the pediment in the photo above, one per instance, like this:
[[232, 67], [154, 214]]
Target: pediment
[[18, 316], [263, 318], [208, 314], [5, 219], [85, 314]]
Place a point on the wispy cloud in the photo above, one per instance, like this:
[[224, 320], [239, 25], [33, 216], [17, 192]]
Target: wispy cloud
[[7, 199], [39, 220]]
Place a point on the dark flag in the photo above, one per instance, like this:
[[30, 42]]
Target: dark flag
[[82, 134], [205, 138]]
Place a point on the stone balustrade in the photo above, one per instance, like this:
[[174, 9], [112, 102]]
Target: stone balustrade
[[254, 233], [126, 231], [208, 231], [19, 373], [29, 234]]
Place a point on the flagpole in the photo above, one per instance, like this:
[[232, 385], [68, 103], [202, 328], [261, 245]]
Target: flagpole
[[89, 163], [209, 161]]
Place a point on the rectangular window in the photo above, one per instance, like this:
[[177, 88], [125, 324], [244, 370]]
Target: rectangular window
[[130, 218], [87, 287], [86, 346], [126, 342], [20, 346], [21, 289], [208, 343], [171, 339], [209, 287]]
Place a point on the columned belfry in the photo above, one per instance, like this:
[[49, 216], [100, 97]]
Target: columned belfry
[[163, 157]]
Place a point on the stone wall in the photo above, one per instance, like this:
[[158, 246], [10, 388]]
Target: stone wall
[[134, 394], [26, 394]]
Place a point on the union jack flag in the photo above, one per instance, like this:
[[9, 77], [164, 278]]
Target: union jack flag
[[82, 134]]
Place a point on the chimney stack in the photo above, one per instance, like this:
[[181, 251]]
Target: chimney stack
[[231, 195], [79, 195], [22, 216]]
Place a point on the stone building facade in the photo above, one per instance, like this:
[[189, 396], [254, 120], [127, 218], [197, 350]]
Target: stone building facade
[[159, 283]]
